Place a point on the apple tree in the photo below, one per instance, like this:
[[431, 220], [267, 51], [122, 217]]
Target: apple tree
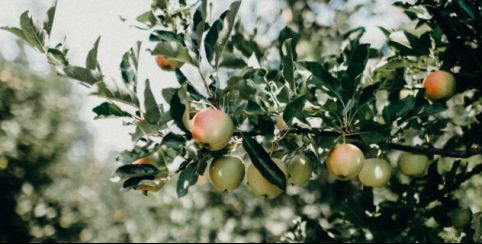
[[386, 135]]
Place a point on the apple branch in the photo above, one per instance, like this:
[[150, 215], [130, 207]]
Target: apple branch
[[426, 150]]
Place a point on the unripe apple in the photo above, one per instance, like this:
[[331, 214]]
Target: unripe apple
[[260, 185], [226, 173], [167, 64], [439, 85], [146, 186], [213, 128], [299, 170], [413, 164], [345, 161], [375, 172], [461, 218]]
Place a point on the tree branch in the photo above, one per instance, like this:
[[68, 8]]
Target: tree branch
[[425, 150], [429, 150], [453, 185]]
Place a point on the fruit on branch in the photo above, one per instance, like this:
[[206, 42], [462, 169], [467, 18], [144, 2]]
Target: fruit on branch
[[299, 170], [461, 218], [260, 185], [375, 172], [212, 128], [146, 186], [345, 161], [413, 164], [439, 85], [226, 173], [167, 64]]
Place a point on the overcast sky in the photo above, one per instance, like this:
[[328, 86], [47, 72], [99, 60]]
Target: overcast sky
[[82, 21]]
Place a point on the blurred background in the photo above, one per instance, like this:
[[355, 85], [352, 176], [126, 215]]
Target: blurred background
[[56, 160]]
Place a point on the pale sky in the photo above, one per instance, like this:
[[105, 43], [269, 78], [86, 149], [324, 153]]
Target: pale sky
[[82, 21]]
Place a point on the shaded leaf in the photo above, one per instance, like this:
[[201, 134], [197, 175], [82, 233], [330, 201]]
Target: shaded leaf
[[152, 114], [294, 109], [187, 178], [107, 109], [263, 162]]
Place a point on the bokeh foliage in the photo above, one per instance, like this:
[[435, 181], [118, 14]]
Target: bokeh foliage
[[327, 85]]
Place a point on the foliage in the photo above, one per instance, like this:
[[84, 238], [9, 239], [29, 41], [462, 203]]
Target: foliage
[[369, 97], [38, 129]]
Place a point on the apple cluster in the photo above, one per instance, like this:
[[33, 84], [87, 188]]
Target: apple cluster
[[213, 129]]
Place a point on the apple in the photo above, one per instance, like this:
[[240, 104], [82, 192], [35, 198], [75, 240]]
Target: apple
[[260, 185], [439, 85], [167, 64], [345, 161], [299, 170], [375, 172], [226, 173], [413, 164], [212, 128], [461, 218]]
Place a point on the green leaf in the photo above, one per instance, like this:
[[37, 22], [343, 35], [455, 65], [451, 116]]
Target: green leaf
[[322, 75], [368, 93], [49, 20], [118, 91], [147, 128], [356, 65], [168, 93], [373, 132], [56, 57], [32, 34], [210, 41], [294, 109], [91, 62], [198, 25], [129, 65], [136, 170], [177, 111], [16, 31], [172, 140], [164, 36], [407, 43], [107, 109], [152, 114], [219, 33], [187, 178], [133, 183], [398, 110], [147, 18], [263, 162], [174, 51], [82, 74], [224, 36], [288, 69], [464, 5]]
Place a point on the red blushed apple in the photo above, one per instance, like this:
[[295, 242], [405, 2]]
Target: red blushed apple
[[212, 128], [345, 161], [167, 64], [439, 85]]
